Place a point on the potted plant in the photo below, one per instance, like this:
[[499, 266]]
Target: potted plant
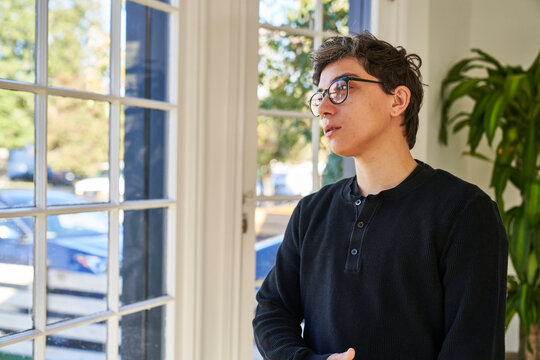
[[506, 106]]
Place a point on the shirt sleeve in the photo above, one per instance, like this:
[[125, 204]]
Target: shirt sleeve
[[279, 314], [473, 272]]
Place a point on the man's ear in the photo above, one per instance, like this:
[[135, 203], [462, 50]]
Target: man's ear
[[402, 96]]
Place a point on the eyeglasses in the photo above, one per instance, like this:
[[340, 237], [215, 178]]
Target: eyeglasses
[[337, 92]]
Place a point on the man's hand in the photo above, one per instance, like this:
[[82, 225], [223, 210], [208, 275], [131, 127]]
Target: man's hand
[[348, 355]]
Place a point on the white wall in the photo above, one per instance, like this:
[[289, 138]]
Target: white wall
[[443, 32]]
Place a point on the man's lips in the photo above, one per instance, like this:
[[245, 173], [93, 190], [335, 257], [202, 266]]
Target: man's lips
[[330, 129]]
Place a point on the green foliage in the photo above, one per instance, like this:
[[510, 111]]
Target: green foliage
[[16, 119], [13, 357], [333, 170], [78, 58], [17, 40], [274, 143], [506, 99]]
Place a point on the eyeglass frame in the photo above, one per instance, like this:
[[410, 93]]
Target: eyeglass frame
[[327, 91]]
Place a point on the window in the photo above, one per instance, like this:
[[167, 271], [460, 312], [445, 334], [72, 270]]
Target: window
[[293, 159], [87, 187]]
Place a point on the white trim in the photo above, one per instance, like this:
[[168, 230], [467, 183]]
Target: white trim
[[113, 273], [40, 181], [287, 113], [73, 209], [189, 193], [113, 332], [240, 339], [298, 31], [249, 163], [278, 198], [145, 305], [85, 95], [116, 43], [168, 330]]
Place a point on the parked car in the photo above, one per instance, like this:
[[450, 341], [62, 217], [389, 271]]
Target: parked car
[[75, 242], [20, 167], [96, 188], [265, 255]]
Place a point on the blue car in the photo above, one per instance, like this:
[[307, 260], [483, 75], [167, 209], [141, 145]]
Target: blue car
[[20, 167], [265, 255], [75, 242]]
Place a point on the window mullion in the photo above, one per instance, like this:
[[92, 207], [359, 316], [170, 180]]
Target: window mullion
[[113, 270], [315, 125], [40, 181]]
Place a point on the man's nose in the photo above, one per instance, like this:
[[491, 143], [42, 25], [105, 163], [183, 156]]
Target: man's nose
[[326, 107]]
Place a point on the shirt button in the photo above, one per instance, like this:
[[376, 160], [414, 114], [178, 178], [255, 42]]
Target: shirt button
[[360, 224], [354, 252], [358, 202]]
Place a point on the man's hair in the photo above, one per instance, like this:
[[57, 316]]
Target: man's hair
[[391, 65]]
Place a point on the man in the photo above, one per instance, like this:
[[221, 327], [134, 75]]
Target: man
[[399, 262]]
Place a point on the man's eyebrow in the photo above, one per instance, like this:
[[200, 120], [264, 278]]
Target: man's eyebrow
[[338, 77]]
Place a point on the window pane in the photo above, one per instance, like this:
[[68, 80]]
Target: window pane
[[17, 40], [336, 15], [16, 147], [284, 156], [143, 144], [16, 274], [296, 13], [143, 263], [77, 264], [18, 351], [77, 149], [142, 335], [81, 343], [271, 219], [284, 71], [145, 52], [332, 167], [79, 42]]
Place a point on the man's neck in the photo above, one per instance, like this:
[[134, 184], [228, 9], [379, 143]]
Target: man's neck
[[383, 171]]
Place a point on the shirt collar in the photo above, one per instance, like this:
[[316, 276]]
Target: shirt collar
[[420, 173]]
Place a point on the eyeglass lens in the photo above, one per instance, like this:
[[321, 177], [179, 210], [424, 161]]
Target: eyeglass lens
[[337, 92]]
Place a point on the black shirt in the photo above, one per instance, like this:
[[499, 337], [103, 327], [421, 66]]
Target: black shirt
[[415, 272]]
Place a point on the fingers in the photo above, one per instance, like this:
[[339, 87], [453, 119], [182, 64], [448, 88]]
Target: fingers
[[348, 355]]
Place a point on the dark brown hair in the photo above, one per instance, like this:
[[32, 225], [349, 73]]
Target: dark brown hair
[[391, 65]]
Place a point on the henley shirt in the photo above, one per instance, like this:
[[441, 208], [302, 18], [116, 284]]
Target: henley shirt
[[415, 272]]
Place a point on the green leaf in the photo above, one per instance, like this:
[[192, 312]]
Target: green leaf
[[488, 58], [532, 270], [475, 135], [530, 152], [512, 85], [456, 73], [492, 118], [537, 252], [532, 202], [461, 90], [511, 309], [520, 245], [499, 180], [476, 155], [460, 125]]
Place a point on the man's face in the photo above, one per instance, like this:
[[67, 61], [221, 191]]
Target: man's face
[[361, 124]]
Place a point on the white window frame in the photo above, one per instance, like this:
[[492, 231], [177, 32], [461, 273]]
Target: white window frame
[[40, 211]]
